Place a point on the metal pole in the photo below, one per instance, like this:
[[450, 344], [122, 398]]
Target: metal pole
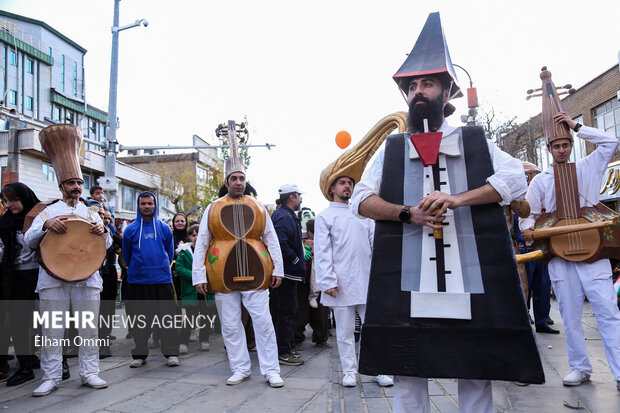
[[109, 181]]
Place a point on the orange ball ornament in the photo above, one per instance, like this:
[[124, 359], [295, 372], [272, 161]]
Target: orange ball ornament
[[343, 139]]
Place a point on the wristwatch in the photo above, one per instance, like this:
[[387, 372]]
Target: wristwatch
[[577, 127], [405, 215]]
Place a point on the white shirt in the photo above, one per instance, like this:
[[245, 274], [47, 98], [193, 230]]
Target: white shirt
[[342, 254], [35, 234], [269, 237], [590, 171], [505, 180]]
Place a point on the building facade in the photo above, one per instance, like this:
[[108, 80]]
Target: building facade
[[42, 83]]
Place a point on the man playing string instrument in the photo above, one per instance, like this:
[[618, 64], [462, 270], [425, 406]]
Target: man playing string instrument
[[256, 301], [574, 281]]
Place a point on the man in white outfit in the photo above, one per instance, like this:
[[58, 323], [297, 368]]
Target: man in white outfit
[[255, 301], [574, 281], [343, 250], [57, 295]]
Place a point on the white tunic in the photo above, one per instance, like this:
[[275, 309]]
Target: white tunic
[[342, 254], [508, 179], [269, 237], [590, 170], [35, 234]]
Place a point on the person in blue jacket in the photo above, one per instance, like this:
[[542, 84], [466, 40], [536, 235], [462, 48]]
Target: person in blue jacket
[[148, 250]]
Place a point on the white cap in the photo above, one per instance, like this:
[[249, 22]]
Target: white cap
[[289, 189]]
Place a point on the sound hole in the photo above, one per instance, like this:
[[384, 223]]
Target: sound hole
[[237, 219], [243, 269]]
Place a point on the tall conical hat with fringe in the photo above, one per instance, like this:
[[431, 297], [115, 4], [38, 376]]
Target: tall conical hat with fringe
[[352, 162], [62, 144], [234, 163]]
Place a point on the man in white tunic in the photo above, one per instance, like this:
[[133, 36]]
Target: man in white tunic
[[255, 301], [56, 295], [343, 250], [574, 281]]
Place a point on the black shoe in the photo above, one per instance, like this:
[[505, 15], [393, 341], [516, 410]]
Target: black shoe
[[129, 335], [111, 337], [66, 374], [22, 375], [547, 329], [104, 352], [549, 321], [323, 345], [36, 363]]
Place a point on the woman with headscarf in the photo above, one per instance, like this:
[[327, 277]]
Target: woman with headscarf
[[20, 270]]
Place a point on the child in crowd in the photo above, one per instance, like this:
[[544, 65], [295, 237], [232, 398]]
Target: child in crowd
[[193, 302]]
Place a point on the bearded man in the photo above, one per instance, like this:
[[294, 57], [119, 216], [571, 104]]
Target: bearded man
[[447, 306]]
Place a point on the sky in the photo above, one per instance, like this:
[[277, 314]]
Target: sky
[[302, 71]]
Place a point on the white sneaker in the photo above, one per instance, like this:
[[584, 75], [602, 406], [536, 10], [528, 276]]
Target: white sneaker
[[183, 349], [275, 380], [137, 363], [204, 346], [173, 361], [95, 382], [313, 303], [193, 337], [575, 378], [349, 380], [237, 378], [45, 388], [383, 380]]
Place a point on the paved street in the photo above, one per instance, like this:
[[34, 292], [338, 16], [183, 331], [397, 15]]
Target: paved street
[[199, 385]]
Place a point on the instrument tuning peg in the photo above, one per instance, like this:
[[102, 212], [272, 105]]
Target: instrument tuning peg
[[568, 86], [530, 91], [571, 91]]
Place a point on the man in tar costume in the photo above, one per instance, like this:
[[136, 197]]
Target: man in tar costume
[[450, 307]]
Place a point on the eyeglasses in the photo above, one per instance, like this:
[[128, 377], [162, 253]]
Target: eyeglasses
[[9, 201]]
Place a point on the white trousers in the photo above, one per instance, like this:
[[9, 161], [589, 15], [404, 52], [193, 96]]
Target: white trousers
[[257, 304], [79, 299], [411, 395], [345, 335], [570, 291]]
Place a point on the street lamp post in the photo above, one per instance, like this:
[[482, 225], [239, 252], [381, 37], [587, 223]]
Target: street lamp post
[[109, 182]]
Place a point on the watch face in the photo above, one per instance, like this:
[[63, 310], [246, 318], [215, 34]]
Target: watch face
[[405, 215]]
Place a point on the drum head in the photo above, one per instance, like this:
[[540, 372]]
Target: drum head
[[74, 255]]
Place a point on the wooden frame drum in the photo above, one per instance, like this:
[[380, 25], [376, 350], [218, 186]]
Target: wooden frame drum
[[75, 255]]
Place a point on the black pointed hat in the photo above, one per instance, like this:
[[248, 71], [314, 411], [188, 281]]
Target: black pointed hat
[[430, 55]]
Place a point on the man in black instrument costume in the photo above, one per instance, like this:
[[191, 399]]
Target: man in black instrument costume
[[450, 307]]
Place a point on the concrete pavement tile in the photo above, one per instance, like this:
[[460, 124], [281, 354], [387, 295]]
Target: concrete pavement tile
[[434, 389], [304, 383], [319, 404], [92, 400], [159, 399], [278, 401], [223, 398], [27, 403], [449, 385], [352, 399], [598, 396], [378, 406], [371, 390], [337, 403], [444, 404]]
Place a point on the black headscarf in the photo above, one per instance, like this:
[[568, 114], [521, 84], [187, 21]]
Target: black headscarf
[[179, 234], [10, 222]]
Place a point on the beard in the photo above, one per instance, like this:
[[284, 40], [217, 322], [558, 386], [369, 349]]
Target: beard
[[431, 110]]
